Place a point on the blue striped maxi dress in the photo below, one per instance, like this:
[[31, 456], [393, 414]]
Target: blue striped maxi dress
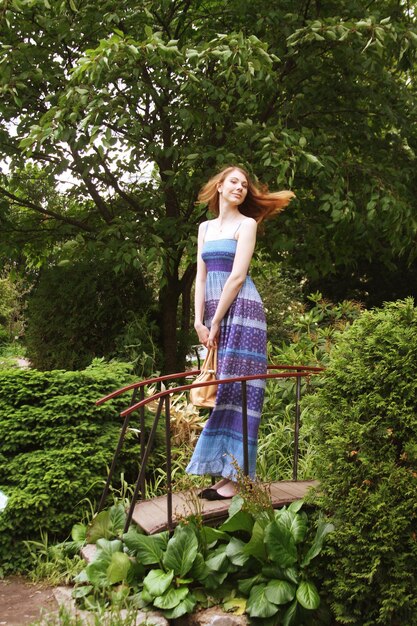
[[241, 352]]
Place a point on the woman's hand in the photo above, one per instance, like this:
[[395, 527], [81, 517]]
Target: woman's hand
[[213, 335], [203, 333]]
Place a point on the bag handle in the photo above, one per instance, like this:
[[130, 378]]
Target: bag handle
[[210, 362]]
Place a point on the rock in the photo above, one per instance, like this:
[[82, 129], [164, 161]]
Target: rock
[[212, 617], [63, 596]]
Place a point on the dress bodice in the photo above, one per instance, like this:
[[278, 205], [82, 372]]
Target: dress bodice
[[219, 254]]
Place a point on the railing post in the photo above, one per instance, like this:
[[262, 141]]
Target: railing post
[[245, 429], [143, 464], [297, 425], [169, 460], [142, 437], [115, 456]]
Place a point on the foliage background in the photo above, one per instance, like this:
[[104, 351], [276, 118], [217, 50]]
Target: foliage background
[[364, 428], [113, 115]]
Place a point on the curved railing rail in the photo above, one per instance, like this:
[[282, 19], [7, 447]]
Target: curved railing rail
[[164, 395]]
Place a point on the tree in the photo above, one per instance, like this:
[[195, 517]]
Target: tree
[[141, 102], [90, 310]]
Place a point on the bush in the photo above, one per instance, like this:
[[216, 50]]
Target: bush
[[11, 324], [314, 333], [281, 295], [56, 447], [76, 313], [365, 426]]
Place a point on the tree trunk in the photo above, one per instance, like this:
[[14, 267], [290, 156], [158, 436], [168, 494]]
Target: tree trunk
[[168, 308]]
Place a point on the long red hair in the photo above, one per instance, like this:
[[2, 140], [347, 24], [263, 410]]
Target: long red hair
[[259, 202]]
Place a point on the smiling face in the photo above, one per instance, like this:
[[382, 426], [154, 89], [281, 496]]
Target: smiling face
[[234, 187]]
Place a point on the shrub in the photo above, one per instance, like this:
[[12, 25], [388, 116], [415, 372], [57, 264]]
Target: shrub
[[11, 324], [314, 333], [365, 427], [281, 295], [76, 313], [56, 447]]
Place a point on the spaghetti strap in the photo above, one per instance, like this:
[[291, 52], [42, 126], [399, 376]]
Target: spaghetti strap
[[239, 225], [205, 232]]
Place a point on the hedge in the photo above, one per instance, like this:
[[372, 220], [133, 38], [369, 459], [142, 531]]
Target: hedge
[[365, 418], [55, 451]]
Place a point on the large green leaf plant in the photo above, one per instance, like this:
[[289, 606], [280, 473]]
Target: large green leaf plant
[[256, 562]]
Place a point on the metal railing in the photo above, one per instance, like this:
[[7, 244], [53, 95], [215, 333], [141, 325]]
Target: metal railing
[[164, 399]]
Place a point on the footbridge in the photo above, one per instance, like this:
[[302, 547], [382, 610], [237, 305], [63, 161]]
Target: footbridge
[[161, 513]]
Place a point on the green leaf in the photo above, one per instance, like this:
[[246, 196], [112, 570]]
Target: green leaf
[[171, 598], [245, 585], [218, 561], [258, 604], [235, 505], [308, 596], [148, 550], [181, 550], [79, 532], [241, 520], [100, 527], [186, 606], [211, 535], [235, 551], [157, 582], [313, 159], [290, 615], [296, 524], [118, 568], [97, 571], [107, 548], [323, 529], [141, 599], [136, 573], [295, 506], [280, 545], [280, 591], [117, 517], [81, 592], [256, 546], [236, 606], [214, 580], [199, 570]]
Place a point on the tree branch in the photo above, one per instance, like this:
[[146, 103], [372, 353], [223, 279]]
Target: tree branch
[[112, 180], [98, 200], [47, 212]]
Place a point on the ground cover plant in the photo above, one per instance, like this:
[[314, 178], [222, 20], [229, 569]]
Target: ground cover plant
[[365, 431], [56, 449], [257, 561]]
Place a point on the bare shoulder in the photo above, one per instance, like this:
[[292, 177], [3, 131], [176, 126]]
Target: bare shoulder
[[249, 225], [202, 227], [249, 220]]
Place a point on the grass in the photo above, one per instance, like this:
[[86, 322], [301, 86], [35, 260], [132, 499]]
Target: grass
[[112, 617], [9, 355], [53, 564]]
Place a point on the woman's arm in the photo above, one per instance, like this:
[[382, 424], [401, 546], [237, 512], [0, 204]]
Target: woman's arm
[[200, 288], [244, 251]]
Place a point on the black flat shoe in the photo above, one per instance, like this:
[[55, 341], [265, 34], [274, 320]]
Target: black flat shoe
[[203, 494], [212, 494]]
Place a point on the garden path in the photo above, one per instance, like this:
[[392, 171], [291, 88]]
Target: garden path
[[23, 602]]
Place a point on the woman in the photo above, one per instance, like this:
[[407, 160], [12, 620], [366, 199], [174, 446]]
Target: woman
[[229, 313]]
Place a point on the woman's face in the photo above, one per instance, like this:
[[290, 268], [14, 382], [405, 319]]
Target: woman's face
[[234, 187]]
